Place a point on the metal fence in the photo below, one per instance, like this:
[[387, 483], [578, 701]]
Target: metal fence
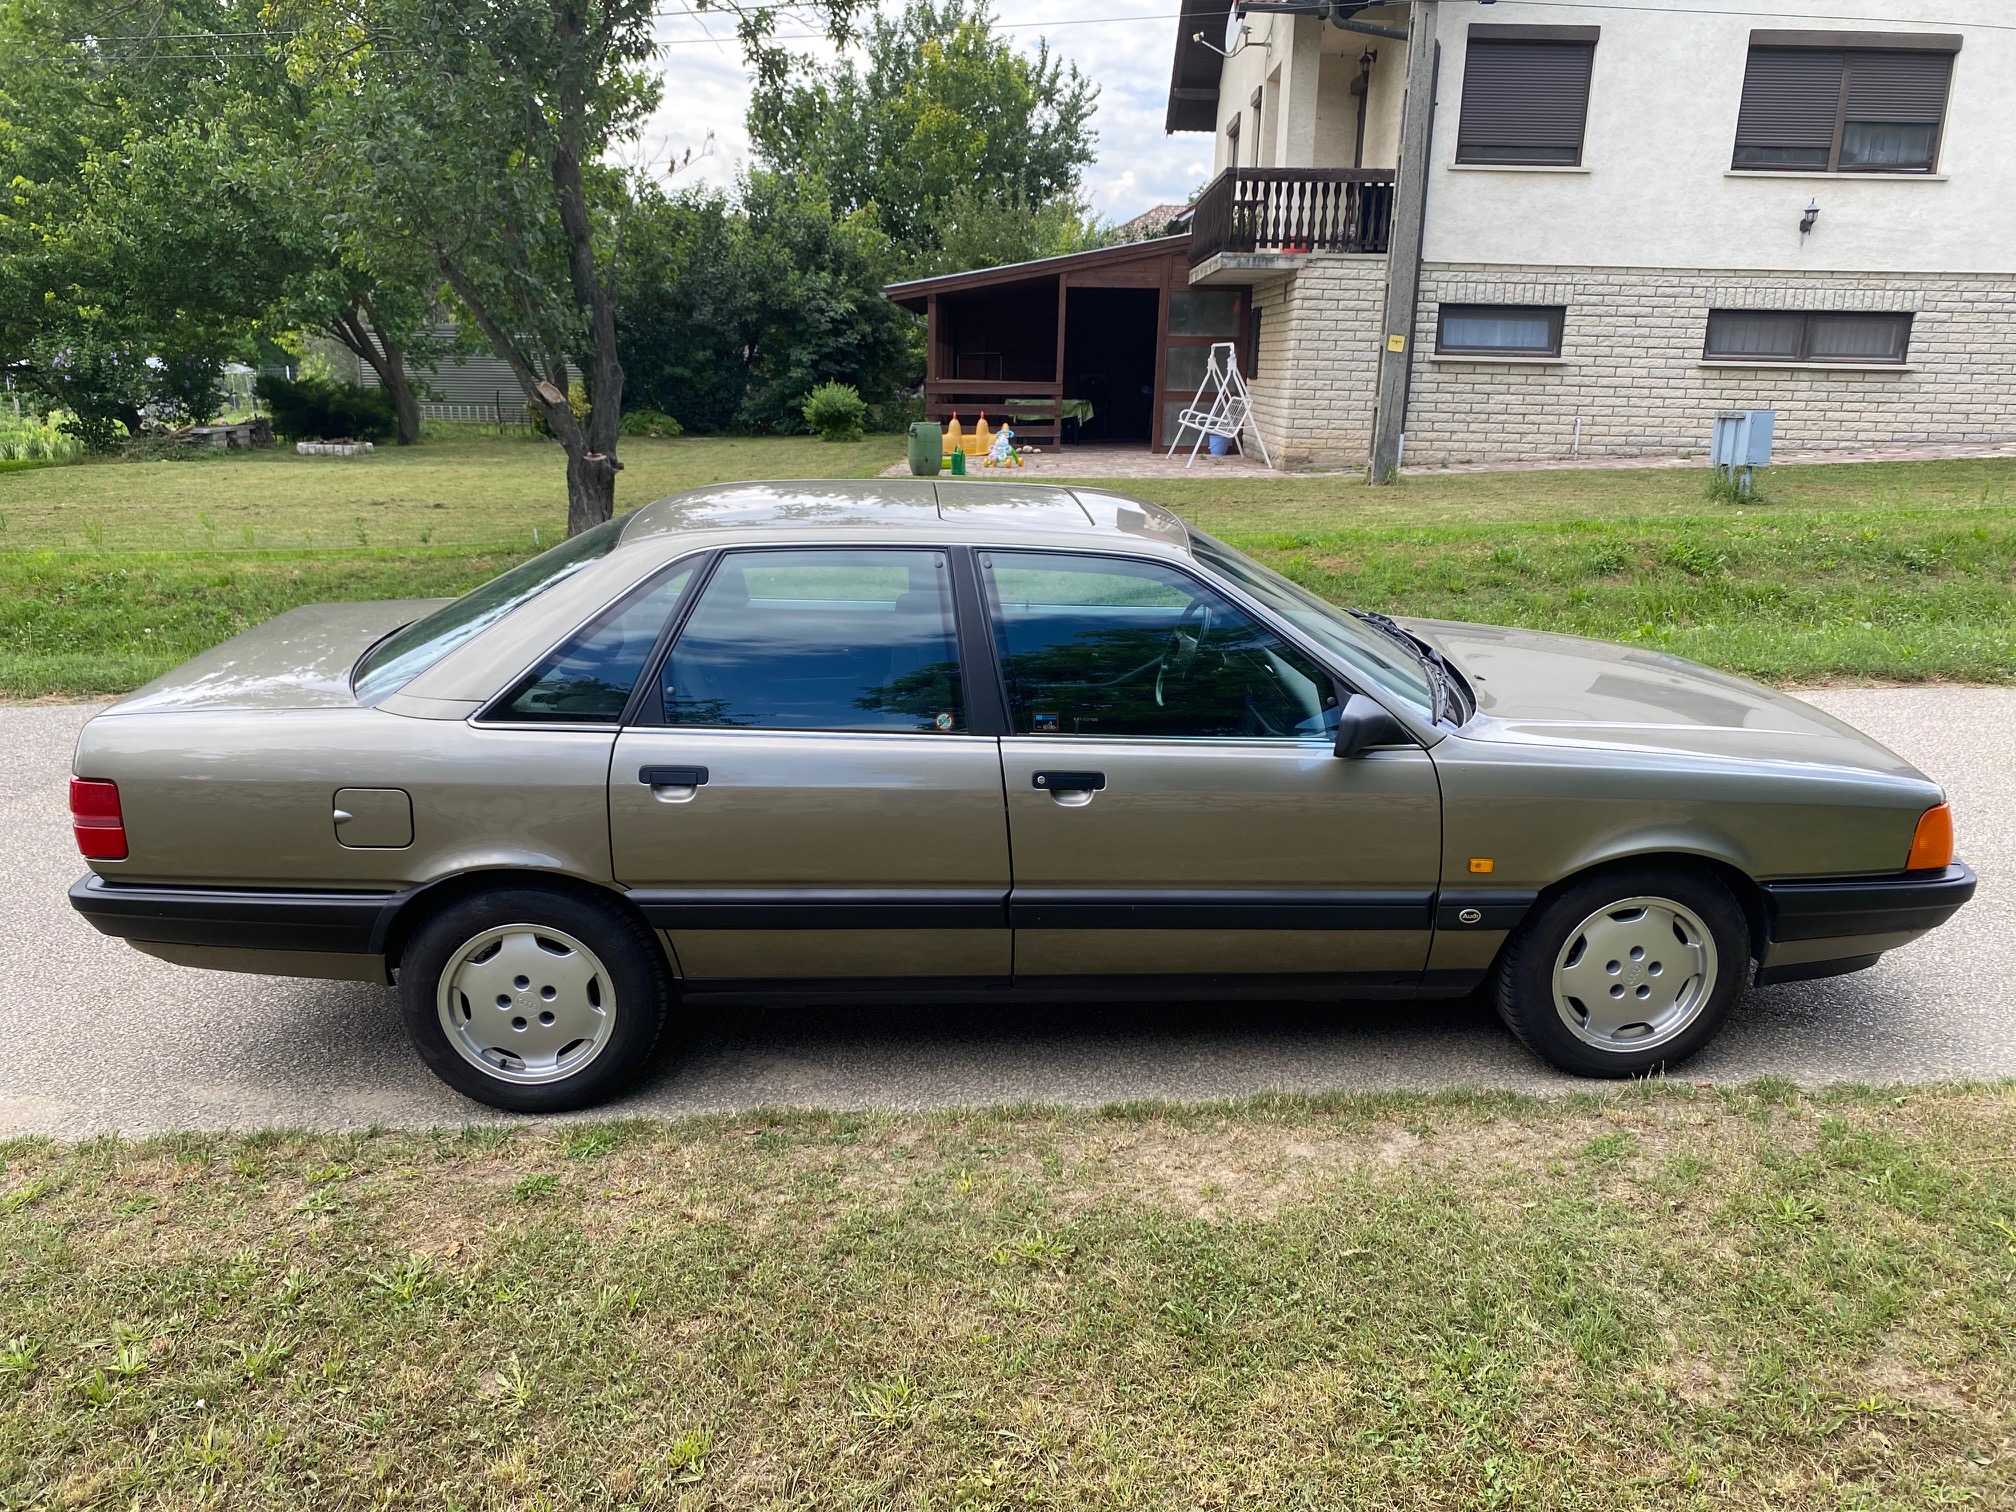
[[500, 412]]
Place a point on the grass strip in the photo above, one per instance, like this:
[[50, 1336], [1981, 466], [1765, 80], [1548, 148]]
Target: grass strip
[[1785, 596], [78, 623], [1666, 1298]]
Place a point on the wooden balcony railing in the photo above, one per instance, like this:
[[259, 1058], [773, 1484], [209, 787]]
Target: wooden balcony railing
[[1293, 210]]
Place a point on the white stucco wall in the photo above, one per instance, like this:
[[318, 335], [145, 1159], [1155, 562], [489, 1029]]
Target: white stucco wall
[[1657, 191]]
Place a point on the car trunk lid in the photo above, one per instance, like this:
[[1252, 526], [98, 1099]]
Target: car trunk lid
[[298, 660]]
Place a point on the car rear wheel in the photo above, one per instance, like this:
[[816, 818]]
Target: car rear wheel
[[534, 1000], [1625, 973]]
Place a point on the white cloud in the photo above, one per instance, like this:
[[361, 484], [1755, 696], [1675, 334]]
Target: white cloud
[[1123, 46]]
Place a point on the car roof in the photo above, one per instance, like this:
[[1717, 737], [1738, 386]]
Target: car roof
[[1004, 512]]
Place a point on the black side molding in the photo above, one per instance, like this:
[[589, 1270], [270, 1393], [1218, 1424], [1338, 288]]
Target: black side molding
[[823, 908], [1865, 905], [1481, 909], [1811, 971], [1032, 908], [346, 923]]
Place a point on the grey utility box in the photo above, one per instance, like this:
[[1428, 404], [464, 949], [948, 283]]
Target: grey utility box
[[1742, 438]]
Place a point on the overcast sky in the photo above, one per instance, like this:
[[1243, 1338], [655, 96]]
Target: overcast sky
[[1125, 46]]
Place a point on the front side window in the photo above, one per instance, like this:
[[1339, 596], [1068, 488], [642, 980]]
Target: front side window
[[1801, 336], [406, 653], [1844, 109], [590, 678], [1107, 647], [1500, 330], [1526, 95], [831, 639]]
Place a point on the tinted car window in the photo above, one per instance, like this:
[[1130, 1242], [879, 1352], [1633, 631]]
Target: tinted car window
[[406, 653], [589, 679], [820, 640], [1102, 646]]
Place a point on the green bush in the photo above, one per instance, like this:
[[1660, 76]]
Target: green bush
[[315, 409], [650, 422], [835, 411], [894, 416]]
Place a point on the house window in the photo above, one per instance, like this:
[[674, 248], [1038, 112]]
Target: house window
[[1869, 103], [1768, 336], [1499, 330], [1232, 143], [1526, 94]]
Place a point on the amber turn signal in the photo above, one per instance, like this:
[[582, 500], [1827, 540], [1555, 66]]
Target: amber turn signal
[[1932, 844]]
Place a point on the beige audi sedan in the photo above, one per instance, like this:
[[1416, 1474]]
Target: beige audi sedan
[[943, 738]]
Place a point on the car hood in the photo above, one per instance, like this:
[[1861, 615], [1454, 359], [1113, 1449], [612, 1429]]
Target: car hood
[[1564, 690], [297, 660]]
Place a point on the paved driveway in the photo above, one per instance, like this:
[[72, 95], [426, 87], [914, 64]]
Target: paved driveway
[[101, 1037]]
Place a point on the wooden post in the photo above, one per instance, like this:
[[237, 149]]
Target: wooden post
[[1403, 254], [1063, 299]]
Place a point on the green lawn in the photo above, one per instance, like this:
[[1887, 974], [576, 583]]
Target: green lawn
[[110, 573], [1660, 1298]]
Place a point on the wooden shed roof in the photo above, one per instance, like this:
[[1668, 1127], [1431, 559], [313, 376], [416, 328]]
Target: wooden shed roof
[[914, 294]]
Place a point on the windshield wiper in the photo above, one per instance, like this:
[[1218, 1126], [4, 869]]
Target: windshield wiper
[[1431, 660]]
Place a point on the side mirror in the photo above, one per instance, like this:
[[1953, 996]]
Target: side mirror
[[1362, 724]]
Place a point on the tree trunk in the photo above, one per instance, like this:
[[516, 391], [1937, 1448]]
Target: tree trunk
[[591, 490], [405, 403], [388, 361]]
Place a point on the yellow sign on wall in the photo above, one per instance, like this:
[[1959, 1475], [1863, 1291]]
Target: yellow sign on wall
[[1396, 343]]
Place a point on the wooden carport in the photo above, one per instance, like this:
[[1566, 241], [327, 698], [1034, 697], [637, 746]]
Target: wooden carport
[[1119, 328]]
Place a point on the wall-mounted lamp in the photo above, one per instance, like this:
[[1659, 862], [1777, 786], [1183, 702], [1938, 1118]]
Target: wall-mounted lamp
[[1806, 221]]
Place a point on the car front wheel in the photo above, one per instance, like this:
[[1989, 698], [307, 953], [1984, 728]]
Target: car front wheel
[[1625, 973], [534, 1000]]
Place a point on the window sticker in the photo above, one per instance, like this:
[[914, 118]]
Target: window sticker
[[944, 721], [1045, 724]]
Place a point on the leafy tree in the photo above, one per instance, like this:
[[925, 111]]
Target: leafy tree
[[133, 260], [942, 130], [480, 131], [733, 311]]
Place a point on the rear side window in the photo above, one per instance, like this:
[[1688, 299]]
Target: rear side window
[[590, 678], [833, 639], [405, 654], [1104, 646]]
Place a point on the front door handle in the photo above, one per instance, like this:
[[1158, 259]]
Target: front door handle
[[1071, 782]]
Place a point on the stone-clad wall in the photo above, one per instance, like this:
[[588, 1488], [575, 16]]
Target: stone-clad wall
[[1318, 372], [1631, 364]]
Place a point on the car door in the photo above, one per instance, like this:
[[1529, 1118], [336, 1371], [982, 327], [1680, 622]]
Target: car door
[[802, 796], [1174, 803]]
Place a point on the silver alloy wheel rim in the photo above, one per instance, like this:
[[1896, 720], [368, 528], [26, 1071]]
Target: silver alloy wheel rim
[[1635, 974], [526, 1003]]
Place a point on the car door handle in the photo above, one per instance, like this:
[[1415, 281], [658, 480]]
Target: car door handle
[[673, 784], [673, 776], [1070, 789]]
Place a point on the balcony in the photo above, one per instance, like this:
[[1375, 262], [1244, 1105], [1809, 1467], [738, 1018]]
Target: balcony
[[1292, 210]]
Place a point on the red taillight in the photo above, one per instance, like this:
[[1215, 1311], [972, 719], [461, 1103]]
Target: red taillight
[[96, 821]]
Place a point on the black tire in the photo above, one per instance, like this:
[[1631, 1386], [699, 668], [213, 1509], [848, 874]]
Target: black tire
[[1525, 977], [621, 945]]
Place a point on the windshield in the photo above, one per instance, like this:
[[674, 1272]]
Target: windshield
[[1361, 649], [406, 653]]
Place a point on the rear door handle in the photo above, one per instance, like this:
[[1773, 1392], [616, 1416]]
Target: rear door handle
[[673, 784], [1070, 782]]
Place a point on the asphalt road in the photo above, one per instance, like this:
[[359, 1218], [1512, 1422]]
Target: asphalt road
[[100, 1037]]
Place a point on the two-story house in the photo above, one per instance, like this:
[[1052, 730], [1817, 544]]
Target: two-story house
[[1613, 220]]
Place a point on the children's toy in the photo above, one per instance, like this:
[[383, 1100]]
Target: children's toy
[[1003, 453], [955, 442], [980, 441]]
